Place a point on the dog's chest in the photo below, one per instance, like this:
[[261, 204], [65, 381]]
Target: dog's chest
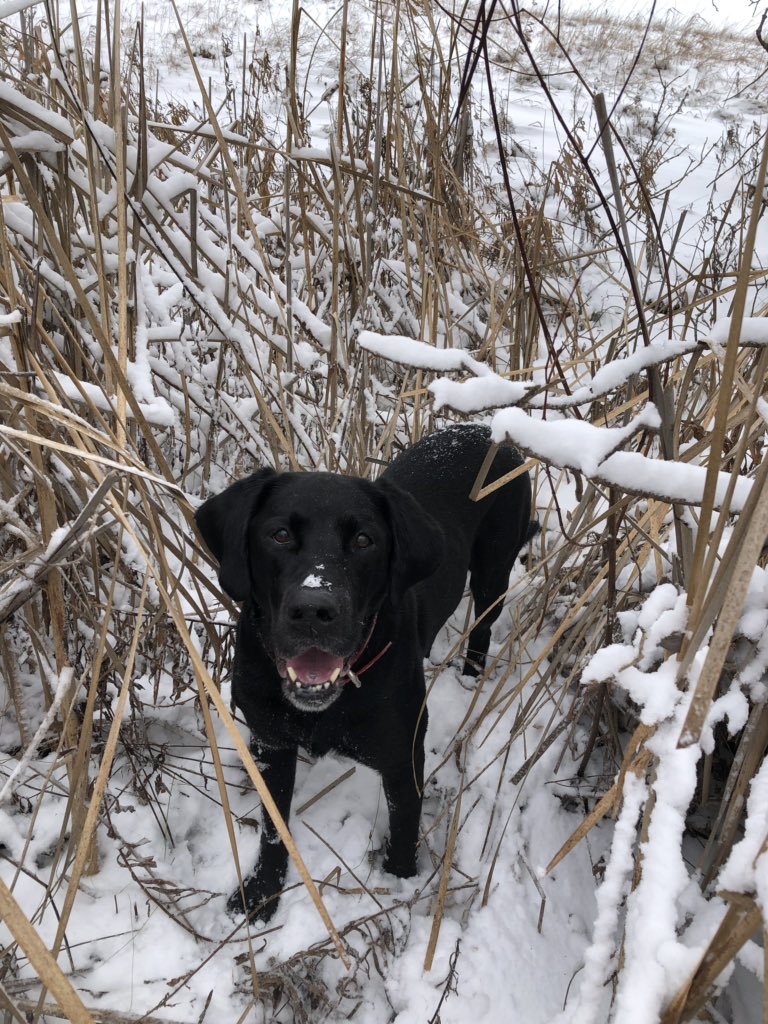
[[334, 734]]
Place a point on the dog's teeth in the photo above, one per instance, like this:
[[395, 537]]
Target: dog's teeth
[[292, 674], [335, 675]]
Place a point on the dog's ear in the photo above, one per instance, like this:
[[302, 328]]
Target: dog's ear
[[223, 524], [417, 539]]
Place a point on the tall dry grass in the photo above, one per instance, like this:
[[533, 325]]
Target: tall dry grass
[[181, 285]]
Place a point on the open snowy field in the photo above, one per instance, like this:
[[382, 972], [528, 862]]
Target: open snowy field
[[305, 235]]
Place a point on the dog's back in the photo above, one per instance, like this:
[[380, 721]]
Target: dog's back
[[485, 536]]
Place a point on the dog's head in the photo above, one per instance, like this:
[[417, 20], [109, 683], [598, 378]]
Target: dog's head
[[318, 555]]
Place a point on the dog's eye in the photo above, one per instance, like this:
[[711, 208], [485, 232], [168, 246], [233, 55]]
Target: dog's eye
[[281, 536], [361, 540]]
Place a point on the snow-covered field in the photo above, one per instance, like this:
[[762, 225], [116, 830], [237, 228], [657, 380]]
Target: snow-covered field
[[606, 934]]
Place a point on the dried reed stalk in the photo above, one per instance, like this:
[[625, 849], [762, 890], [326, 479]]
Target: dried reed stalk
[[228, 339]]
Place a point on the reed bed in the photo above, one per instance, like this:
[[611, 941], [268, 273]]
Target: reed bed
[[182, 285]]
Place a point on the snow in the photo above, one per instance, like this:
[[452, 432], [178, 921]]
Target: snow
[[592, 998], [156, 410], [149, 932], [419, 354], [671, 480], [733, 708], [615, 373], [659, 957], [658, 962], [21, 105], [740, 872], [570, 443], [61, 688], [313, 581], [476, 395], [753, 330], [10, 7]]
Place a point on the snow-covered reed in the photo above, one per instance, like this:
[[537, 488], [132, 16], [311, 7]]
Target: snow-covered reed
[[231, 237]]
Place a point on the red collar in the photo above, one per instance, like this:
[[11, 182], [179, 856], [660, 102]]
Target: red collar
[[353, 675]]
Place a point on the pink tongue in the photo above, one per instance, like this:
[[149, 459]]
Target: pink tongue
[[315, 667]]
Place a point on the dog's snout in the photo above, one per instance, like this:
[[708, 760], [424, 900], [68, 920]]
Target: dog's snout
[[313, 607]]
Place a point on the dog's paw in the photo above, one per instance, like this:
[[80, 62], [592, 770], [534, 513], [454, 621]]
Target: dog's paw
[[399, 864], [474, 666], [260, 904]]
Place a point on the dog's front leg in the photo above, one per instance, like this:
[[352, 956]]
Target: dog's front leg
[[403, 785], [263, 887]]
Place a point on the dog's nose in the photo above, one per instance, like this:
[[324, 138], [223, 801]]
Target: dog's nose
[[313, 607]]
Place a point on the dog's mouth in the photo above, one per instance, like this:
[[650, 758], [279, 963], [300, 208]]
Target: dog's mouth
[[314, 669], [314, 677]]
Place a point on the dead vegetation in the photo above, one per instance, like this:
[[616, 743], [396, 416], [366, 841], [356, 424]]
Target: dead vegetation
[[181, 289]]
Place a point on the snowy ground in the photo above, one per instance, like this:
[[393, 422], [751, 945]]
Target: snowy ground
[[149, 933]]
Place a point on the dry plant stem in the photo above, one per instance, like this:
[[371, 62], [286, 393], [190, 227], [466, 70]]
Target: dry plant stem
[[741, 416], [244, 205], [749, 755], [335, 873], [255, 775], [702, 565], [96, 1015], [122, 227], [17, 693], [445, 878], [607, 803], [48, 970], [740, 923], [78, 803], [73, 279], [18, 596], [11, 1011], [63, 691], [87, 456], [290, 103], [392, 254], [84, 851], [228, 816], [741, 556], [325, 790]]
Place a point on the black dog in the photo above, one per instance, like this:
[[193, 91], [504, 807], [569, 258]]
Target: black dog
[[342, 579]]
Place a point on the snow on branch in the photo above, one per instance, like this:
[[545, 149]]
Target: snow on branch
[[572, 443], [616, 373], [671, 481], [754, 331], [489, 390], [49, 130], [420, 355], [486, 391]]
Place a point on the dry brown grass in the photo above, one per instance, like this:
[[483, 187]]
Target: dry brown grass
[[234, 267]]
